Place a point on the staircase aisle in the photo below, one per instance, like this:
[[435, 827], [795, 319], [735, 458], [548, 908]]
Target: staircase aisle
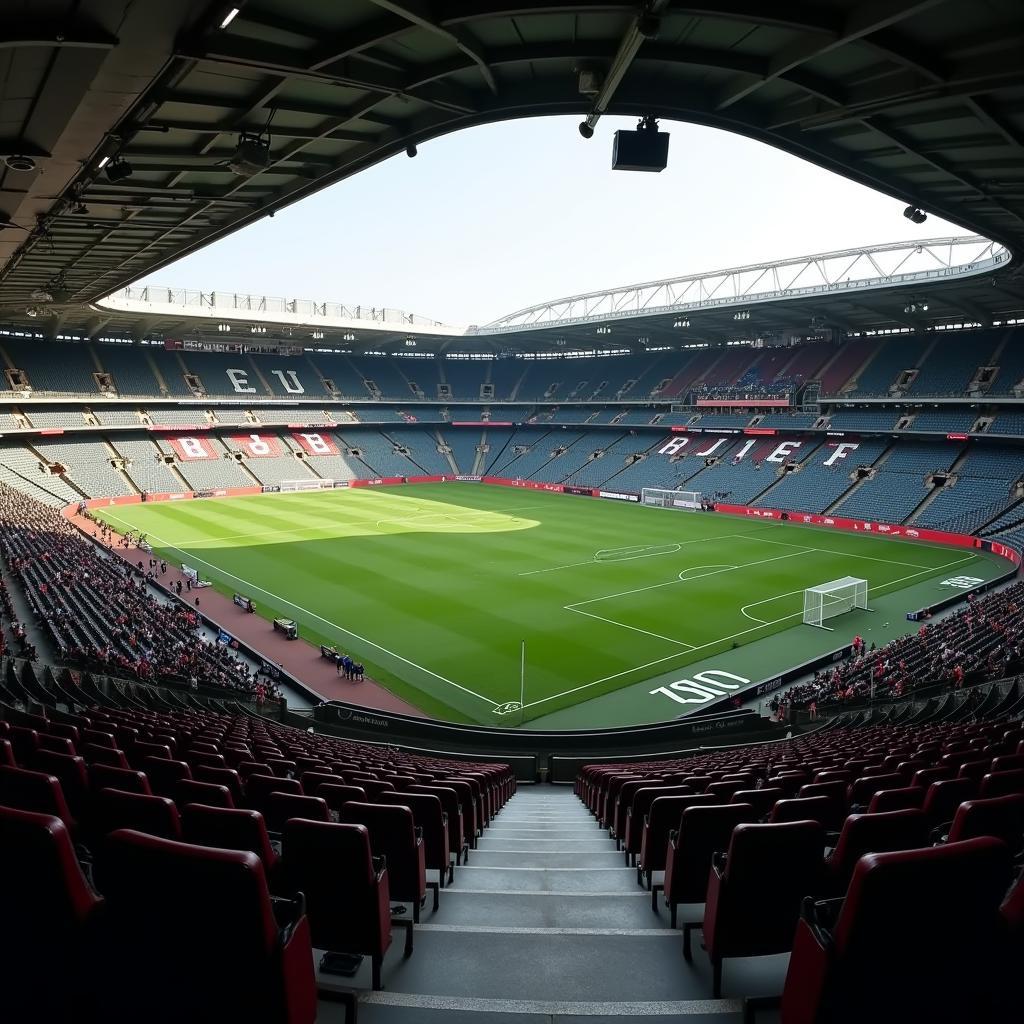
[[547, 924]]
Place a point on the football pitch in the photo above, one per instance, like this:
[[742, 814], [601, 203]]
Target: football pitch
[[436, 587]]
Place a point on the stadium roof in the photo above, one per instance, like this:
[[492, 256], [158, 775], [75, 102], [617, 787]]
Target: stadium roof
[[909, 286], [921, 100]]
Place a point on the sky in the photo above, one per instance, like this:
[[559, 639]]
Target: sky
[[489, 220]]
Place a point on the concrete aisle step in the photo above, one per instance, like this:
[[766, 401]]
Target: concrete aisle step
[[547, 924]]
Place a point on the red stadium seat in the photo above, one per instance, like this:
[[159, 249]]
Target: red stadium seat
[[229, 829], [754, 893], [190, 933], [394, 836], [921, 926], [872, 833], [347, 897], [48, 909], [703, 832]]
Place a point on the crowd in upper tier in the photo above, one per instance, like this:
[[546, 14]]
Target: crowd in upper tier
[[101, 613]]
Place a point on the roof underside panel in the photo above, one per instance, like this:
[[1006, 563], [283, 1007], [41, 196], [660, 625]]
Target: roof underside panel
[[921, 99]]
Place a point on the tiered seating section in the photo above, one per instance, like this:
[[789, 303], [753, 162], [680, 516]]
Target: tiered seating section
[[909, 829], [862, 367], [99, 611], [226, 811], [981, 641]]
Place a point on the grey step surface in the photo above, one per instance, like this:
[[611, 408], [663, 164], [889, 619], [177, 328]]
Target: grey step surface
[[545, 924]]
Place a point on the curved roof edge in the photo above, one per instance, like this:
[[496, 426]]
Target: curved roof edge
[[864, 268]]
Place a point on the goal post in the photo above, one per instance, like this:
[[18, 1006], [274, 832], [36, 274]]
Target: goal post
[[660, 497], [827, 600], [306, 485]]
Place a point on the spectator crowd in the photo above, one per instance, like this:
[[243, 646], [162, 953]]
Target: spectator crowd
[[99, 611], [983, 640]]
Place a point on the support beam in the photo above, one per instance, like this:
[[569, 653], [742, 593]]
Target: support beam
[[862, 21], [418, 12]]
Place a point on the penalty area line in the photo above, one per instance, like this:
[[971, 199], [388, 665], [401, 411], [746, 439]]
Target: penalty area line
[[711, 643], [280, 600]]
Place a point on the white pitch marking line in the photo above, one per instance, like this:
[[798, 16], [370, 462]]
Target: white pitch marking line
[[312, 615], [593, 560], [672, 583], [636, 629], [725, 639], [881, 586], [623, 625]]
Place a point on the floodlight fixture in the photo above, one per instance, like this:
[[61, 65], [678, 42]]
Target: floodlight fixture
[[104, 160], [683, 321], [230, 17], [223, 328], [915, 215], [118, 169]]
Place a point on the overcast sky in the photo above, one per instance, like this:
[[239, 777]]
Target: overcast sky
[[492, 219]]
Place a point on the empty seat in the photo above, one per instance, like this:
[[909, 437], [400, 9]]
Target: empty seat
[[312, 780], [47, 910], [872, 833], [458, 841], [944, 797], [230, 829], [190, 934], [70, 772], [703, 831], [189, 791], [259, 787], [164, 774], [429, 816], [897, 799], [96, 754], [827, 811], [347, 896], [106, 776], [636, 816], [863, 789], [1002, 783], [337, 796], [662, 820], [221, 777], [34, 791], [1001, 817], [394, 836], [916, 939], [755, 892], [762, 800], [118, 809], [280, 807]]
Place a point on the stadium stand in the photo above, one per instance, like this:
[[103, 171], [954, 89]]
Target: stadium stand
[[1008, 423], [899, 484], [863, 419], [71, 374], [172, 371], [48, 418], [893, 357], [951, 366], [465, 378], [739, 479], [422, 445], [163, 416], [464, 442], [117, 417], [847, 361], [816, 486], [129, 367], [146, 468], [87, 464], [951, 421]]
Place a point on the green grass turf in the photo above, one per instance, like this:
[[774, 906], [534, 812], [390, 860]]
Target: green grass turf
[[435, 586]]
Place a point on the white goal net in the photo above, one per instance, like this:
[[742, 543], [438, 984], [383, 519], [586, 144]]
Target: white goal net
[[836, 598], [662, 498], [306, 485]]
